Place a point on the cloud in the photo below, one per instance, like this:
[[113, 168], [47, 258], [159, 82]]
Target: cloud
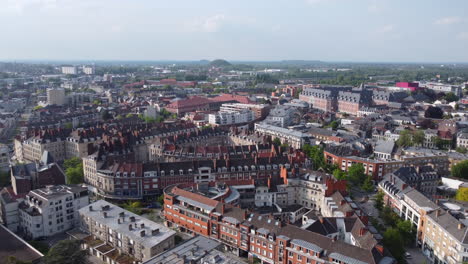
[[19, 6], [386, 29], [463, 35], [447, 20], [209, 24]]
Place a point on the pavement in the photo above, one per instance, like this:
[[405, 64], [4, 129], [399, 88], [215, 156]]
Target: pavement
[[417, 257]]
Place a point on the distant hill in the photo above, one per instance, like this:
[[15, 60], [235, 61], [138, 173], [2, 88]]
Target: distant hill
[[220, 63]]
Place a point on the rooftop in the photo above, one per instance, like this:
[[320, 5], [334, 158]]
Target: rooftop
[[115, 220]]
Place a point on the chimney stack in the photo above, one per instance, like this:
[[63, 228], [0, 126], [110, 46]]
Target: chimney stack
[[104, 214], [142, 233], [142, 225], [90, 208], [460, 226], [362, 231], [437, 213], [155, 231], [130, 227], [132, 218]]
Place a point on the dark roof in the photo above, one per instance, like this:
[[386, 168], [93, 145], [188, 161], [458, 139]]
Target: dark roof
[[16, 247]]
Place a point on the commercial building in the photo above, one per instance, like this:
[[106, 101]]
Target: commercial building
[[51, 210], [114, 231]]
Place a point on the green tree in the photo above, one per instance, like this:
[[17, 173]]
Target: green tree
[[393, 241], [418, 137], [462, 150], [315, 153], [379, 201], [407, 231], [451, 97], [68, 125], [277, 141], [339, 174], [74, 170], [462, 194], [105, 115], [66, 252], [405, 139], [356, 174], [129, 115], [367, 184], [37, 107]]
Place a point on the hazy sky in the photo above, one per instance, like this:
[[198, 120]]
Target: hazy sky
[[329, 30]]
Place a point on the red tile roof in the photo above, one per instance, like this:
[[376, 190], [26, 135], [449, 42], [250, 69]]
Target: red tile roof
[[232, 97]]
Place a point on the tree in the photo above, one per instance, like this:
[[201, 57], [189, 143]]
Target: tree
[[460, 170], [379, 201], [441, 143], [393, 241], [462, 194], [434, 112], [451, 97], [74, 170], [407, 231], [356, 174], [315, 153], [418, 137], [462, 150], [367, 184], [339, 174], [129, 115], [68, 125], [66, 252], [105, 115], [276, 141], [405, 139], [37, 107]]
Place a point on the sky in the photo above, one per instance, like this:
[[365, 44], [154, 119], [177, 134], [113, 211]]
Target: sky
[[242, 30]]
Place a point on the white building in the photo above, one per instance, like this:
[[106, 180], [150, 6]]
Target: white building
[[9, 203], [293, 138], [51, 210], [124, 231], [229, 117], [462, 140], [69, 70], [89, 70], [56, 96]]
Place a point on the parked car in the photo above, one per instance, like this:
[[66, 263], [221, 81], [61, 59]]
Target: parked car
[[407, 255]]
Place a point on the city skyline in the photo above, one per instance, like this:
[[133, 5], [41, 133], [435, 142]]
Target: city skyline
[[325, 30]]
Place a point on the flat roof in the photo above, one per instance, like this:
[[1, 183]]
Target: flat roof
[[111, 221]]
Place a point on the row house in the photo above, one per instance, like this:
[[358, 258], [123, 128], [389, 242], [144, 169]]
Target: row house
[[259, 236], [122, 180]]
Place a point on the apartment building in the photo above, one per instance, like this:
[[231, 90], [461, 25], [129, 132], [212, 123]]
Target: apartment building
[[51, 210], [122, 180], [69, 70], [56, 96], [120, 231], [293, 138], [259, 110], [231, 117], [254, 235]]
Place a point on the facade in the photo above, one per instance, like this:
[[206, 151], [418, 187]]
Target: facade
[[227, 117], [123, 232], [88, 70], [9, 202], [69, 70], [259, 110], [293, 138], [56, 96], [282, 116], [462, 140], [51, 210]]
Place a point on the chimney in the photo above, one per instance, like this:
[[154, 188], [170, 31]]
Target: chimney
[[437, 213], [90, 208], [334, 239], [104, 214], [142, 233], [132, 219], [155, 231], [342, 202], [142, 225], [403, 186], [130, 227], [223, 208], [246, 214], [362, 231], [460, 226], [118, 221]]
